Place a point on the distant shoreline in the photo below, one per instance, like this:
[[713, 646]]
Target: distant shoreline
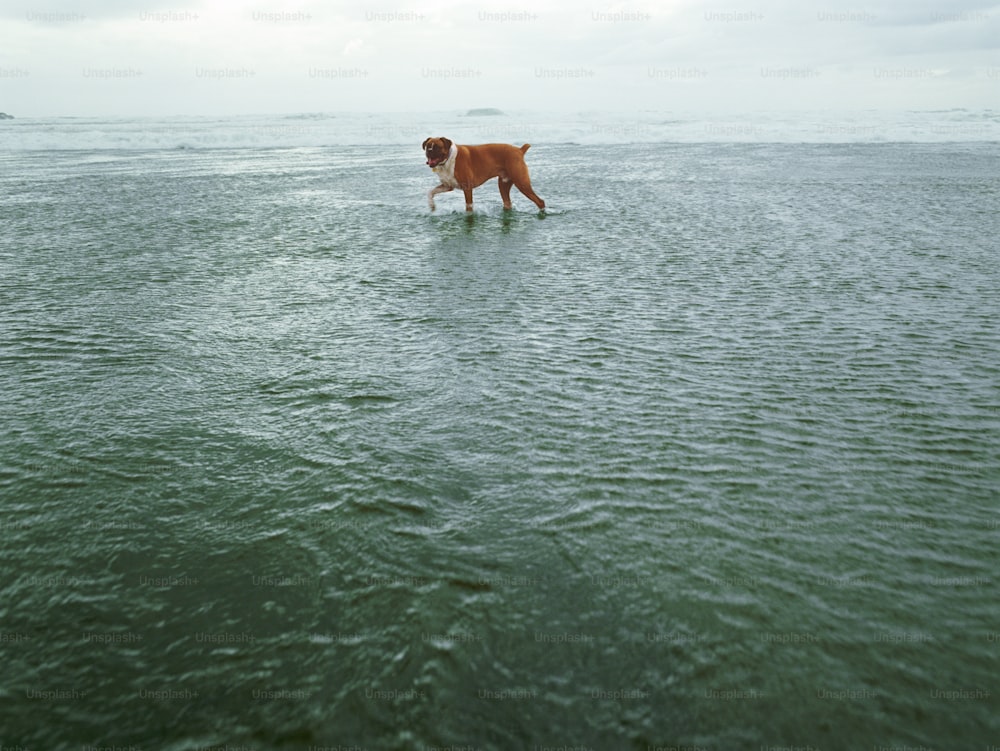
[[328, 130]]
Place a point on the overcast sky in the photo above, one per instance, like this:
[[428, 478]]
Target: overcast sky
[[144, 57]]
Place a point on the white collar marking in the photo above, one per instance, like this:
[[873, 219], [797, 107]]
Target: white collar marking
[[446, 170]]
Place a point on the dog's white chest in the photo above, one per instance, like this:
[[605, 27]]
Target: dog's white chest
[[446, 170]]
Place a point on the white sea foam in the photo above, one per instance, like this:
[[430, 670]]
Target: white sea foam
[[585, 128]]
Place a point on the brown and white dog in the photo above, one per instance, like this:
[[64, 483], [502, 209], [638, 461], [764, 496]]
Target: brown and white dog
[[468, 167]]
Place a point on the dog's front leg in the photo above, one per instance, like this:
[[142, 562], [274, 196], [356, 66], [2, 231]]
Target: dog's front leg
[[468, 198], [442, 188]]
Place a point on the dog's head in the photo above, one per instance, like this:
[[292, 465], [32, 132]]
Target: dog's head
[[436, 150]]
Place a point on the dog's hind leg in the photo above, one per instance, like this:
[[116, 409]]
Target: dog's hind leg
[[504, 183], [525, 187], [521, 179]]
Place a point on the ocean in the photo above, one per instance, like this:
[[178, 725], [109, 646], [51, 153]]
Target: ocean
[[704, 456]]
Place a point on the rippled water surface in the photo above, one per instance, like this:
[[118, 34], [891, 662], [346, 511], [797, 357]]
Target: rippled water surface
[[706, 455]]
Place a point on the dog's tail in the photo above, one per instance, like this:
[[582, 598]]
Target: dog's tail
[[525, 147]]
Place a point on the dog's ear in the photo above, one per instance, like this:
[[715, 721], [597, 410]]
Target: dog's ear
[[447, 143], [424, 144]]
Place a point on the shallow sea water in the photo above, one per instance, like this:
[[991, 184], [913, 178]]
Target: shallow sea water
[[706, 455]]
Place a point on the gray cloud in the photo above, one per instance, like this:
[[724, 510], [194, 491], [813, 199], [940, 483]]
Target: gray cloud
[[410, 54]]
